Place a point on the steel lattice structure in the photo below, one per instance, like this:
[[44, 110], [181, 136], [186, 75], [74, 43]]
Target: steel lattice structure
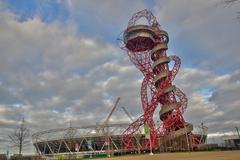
[[146, 46], [74, 139]]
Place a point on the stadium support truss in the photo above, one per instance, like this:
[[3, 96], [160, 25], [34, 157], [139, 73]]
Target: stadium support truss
[[78, 140]]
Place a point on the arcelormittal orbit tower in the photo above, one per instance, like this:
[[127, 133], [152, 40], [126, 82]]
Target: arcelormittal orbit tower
[[146, 46]]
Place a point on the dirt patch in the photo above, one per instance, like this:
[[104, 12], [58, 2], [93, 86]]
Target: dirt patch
[[215, 155]]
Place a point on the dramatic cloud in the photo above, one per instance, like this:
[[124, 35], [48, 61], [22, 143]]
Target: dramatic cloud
[[204, 33], [43, 69], [213, 99], [119, 10]]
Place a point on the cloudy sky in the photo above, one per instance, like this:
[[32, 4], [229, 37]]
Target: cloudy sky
[[60, 61]]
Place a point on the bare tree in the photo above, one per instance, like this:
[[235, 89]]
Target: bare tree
[[228, 3], [19, 138]]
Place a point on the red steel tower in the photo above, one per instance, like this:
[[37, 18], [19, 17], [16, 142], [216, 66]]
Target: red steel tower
[[146, 46]]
